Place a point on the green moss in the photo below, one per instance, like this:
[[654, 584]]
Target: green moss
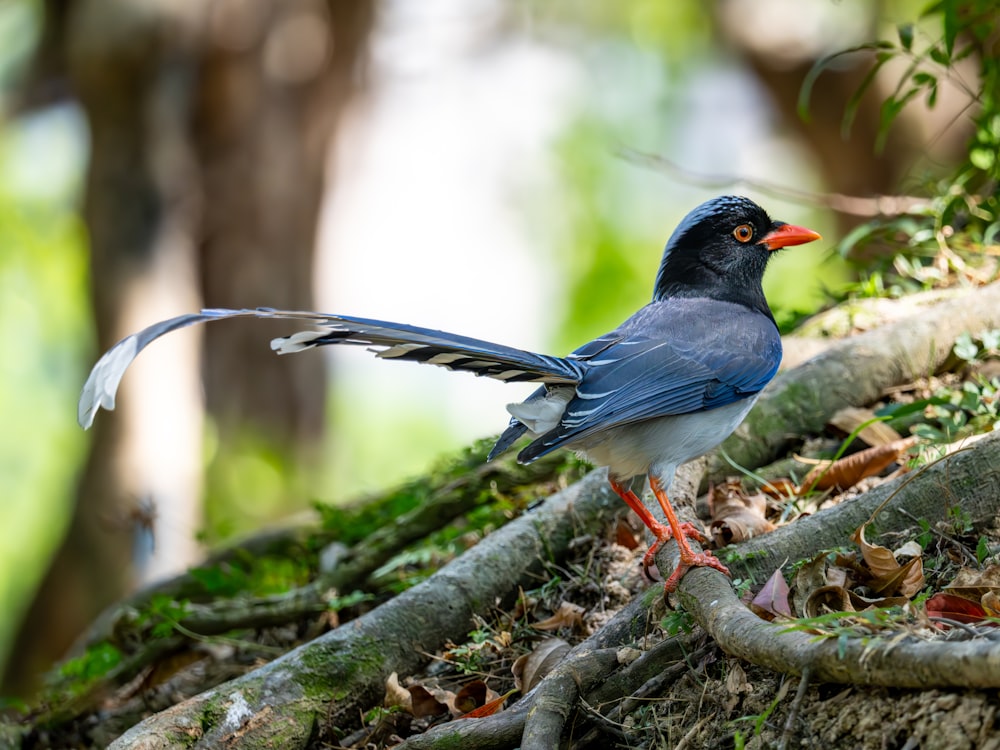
[[331, 674]]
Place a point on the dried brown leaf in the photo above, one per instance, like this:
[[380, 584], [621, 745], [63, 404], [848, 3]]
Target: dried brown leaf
[[424, 703], [864, 603], [973, 584], [780, 488], [876, 432], [736, 516], [991, 603], [907, 579], [738, 527], [490, 707], [810, 576], [846, 472], [529, 669], [736, 680], [396, 695], [472, 695], [879, 559], [568, 615], [827, 599], [625, 536]]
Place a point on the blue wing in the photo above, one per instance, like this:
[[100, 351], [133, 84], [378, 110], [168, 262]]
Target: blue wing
[[674, 356]]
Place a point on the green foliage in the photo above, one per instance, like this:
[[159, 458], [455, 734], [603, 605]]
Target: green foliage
[[677, 621], [848, 626], [982, 549], [162, 614], [351, 524], [257, 575], [337, 603], [961, 520], [952, 413], [759, 721], [962, 212], [95, 662]]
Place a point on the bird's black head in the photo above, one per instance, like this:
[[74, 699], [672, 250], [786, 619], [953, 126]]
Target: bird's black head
[[721, 249]]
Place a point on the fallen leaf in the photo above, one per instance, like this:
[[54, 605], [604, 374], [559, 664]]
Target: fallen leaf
[[846, 472], [875, 432], [973, 584], [529, 669], [471, 696], [625, 536], [568, 615], [827, 599], [396, 695], [879, 559], [907, 579], [424, 703], [772, 601], [489, 708], [736, 516], [863, 603], [736, 680], [780, 489], [955, 608], [810, 576], [738, 527], [910, 549], [626, 655], [991, 603]]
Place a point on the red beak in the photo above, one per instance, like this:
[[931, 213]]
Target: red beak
[[786, 235]]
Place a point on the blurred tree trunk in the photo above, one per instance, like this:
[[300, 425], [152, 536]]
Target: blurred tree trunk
[[209, 124]]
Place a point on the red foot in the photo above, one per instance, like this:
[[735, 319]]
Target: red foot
[[665, 534], [689, 558], [676, 530], [697, 560]]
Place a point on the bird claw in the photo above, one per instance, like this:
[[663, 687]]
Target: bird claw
[[665, 534], [696, 560]]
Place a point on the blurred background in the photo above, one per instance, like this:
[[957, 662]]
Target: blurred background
[[506, 169]]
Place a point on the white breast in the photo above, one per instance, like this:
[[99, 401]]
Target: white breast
[[659, 446]]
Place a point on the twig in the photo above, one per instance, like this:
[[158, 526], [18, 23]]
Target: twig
[[690, 734], [879, 205], [793, 710]]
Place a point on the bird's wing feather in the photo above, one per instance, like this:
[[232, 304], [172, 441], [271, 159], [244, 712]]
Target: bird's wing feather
[[388, 340], [515, 427], [716, 353]]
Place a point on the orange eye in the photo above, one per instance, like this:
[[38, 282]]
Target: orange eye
[[743, 233]]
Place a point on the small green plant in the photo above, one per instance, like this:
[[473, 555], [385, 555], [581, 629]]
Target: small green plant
[[926, 536], [960, 519], [337, 603], [95, 662], [483, 643], [676, 622], [758, 720], [982, 549], [163, 614]]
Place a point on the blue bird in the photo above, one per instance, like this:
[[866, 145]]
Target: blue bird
[[665, 387]]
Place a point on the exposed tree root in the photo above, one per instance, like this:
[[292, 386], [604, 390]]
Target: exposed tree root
[[328, 681], [854, 372]]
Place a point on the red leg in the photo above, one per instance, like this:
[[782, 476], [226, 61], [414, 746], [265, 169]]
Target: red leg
[[661, 532], [689, 558]]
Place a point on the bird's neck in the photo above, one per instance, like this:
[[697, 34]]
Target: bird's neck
[[748, 293]]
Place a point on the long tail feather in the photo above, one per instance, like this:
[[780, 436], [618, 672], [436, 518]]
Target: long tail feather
[[387, 340]]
